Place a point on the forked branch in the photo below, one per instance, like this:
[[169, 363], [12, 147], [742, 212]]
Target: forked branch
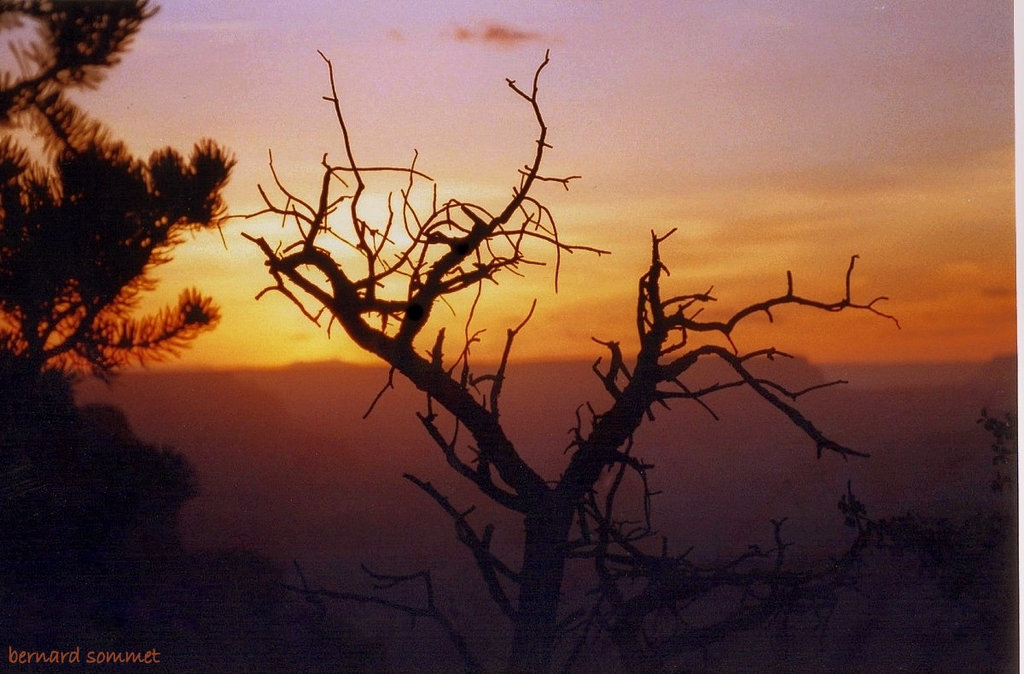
[[429, 609], [384, 302], [488, 564]]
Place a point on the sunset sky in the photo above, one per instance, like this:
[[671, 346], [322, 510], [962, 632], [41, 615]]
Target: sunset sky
[[774, 135]]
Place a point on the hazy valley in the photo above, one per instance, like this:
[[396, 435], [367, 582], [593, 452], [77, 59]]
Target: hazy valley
[[289, 467]]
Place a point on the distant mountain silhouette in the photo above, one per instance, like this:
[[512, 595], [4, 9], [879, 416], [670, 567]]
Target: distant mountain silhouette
[[293, 440], [999, 373]]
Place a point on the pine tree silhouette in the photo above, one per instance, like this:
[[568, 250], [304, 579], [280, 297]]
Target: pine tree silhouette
[[83, 223]]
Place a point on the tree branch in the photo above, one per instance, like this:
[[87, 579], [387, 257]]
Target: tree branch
[[386, 581]]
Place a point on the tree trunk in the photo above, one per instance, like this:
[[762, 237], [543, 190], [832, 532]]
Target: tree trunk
[[547, 530]]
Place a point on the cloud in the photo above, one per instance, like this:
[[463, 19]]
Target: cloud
[[496, 34]]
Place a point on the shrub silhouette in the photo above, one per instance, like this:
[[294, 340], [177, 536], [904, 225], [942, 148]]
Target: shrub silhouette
[[971, 558], [86, 508]]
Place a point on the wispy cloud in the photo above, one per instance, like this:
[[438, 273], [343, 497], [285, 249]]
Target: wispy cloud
[[496, 34]]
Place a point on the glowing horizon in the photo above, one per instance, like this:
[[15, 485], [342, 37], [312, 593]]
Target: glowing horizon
[[784, 139]]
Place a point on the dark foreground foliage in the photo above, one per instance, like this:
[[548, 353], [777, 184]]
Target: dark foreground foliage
[[90, 555], [970, 558]]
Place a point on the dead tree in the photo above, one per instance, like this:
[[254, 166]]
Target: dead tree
[[417, 260]]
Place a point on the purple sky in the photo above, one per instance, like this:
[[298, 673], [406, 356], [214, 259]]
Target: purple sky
[[774, 135]]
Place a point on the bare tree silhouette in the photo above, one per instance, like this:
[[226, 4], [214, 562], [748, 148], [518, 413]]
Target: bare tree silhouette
[[416, 260]]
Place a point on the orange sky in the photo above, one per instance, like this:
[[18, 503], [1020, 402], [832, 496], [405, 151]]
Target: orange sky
[[776, 136]]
